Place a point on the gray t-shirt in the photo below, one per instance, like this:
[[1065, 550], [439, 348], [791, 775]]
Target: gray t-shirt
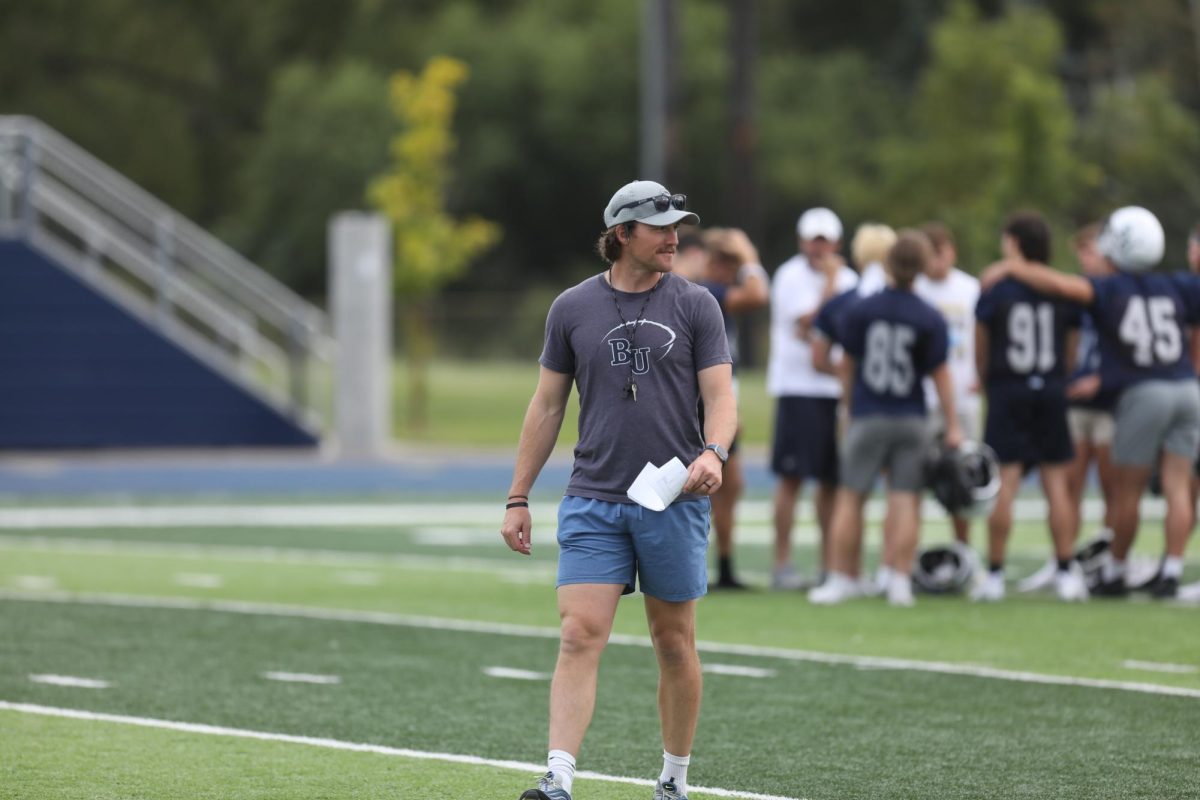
[[680, 334]]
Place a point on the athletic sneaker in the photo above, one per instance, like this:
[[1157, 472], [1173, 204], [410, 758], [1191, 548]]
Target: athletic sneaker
[[1165, 589], [787, 579], [1114, 588], [837, 588], [667, 791], [990, 589], [899, 591], [1069, 585], [548, 788]]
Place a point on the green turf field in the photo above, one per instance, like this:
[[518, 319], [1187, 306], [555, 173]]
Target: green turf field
[[407, 646]]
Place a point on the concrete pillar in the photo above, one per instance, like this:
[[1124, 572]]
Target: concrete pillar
[[360, 281]]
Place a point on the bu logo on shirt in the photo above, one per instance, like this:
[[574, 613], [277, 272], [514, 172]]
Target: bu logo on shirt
[[621, 354], [649, 336]]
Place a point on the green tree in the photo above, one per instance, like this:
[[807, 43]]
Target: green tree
[[989, 130], [432, 248], [325, 135]]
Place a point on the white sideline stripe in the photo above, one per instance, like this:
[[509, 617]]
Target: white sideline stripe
[[352, 578], [1153, 666], [70, 680], [516, 674], [536, 632], [302, 677], [409, 514], [337, 744], [281, 555], [738, 670], [198, 580], [35, 582]]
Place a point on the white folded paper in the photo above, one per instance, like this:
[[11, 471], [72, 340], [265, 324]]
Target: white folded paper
[[656, 488]]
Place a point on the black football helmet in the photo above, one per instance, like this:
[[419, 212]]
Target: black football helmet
[[966, 480], [943, 570]]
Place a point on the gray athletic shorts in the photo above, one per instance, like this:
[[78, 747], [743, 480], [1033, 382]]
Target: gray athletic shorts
[[897, 444], [1155, 416]]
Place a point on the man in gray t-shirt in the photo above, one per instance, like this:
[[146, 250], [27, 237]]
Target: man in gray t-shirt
[[645, 348]]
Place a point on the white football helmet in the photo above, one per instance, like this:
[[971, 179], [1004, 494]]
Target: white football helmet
[[1132, 239]]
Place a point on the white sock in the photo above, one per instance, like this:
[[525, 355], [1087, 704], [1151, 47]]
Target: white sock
[[883, 576], [1112, 569], [562, 764], [675, 770], [1172, 567]]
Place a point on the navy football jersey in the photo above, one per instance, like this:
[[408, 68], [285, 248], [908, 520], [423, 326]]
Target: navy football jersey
[[1142, 320], [896, 339], [829, 318], [1027, 334], [1087, 362]]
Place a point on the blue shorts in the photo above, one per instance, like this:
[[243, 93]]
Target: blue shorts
[[1028, 426], [665, 551], [805, 443]]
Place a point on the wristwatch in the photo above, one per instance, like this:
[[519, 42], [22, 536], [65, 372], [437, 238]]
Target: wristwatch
[[721, 452]]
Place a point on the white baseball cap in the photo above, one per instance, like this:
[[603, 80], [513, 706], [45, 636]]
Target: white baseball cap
[[632, 203], [819, 223]]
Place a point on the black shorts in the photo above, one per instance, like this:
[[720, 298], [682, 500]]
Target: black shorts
[[1028, 426], [805, 443]]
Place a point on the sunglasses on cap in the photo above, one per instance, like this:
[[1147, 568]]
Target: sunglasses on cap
[[661, 203]]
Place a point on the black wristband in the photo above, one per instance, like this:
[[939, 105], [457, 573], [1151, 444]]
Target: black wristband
[[521, 504], [522, 496]]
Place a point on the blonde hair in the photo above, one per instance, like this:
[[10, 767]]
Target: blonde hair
[[871, 243]]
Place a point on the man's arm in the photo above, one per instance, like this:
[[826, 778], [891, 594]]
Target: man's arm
[[1041, 278], [981, 352], [822, 353], [944, 385], [539, 432], [720, 426], [752, 293]]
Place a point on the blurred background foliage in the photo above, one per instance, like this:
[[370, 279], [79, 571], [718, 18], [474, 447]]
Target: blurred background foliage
[[260, 120]]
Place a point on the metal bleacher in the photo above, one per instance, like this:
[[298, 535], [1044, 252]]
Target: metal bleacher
[[157, 266]]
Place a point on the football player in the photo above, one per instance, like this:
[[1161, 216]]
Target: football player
[[1020, 351], [891, 340], [1142, 318], [954, 293]]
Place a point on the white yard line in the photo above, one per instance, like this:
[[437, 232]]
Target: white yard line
[[506, 565], [70, 681], [406, 514], [516, 674], [198, 580], [1154, 666], [537, 632], [337, 744], [302, 677], [737, 670]]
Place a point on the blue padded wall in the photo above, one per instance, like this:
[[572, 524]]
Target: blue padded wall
[[77, 371]]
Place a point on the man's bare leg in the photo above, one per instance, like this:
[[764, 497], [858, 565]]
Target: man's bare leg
[[586, 612], [673, 633]]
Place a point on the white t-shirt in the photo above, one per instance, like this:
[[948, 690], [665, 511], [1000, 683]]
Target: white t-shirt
[[955, 296], [873, 280], [796, 290]]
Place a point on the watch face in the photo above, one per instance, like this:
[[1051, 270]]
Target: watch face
[[720, 451]]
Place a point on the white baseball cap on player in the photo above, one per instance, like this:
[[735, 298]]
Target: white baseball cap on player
[[819, 223], [649, 203]]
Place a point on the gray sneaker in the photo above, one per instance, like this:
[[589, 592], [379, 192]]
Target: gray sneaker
[[549, 788], [667, 791]]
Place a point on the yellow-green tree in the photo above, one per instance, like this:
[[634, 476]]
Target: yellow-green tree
[[432, 248]]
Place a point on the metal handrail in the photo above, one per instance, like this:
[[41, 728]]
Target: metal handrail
[[258, 327]]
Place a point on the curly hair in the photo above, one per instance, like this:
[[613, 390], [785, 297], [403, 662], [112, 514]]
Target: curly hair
[[608, 246]]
